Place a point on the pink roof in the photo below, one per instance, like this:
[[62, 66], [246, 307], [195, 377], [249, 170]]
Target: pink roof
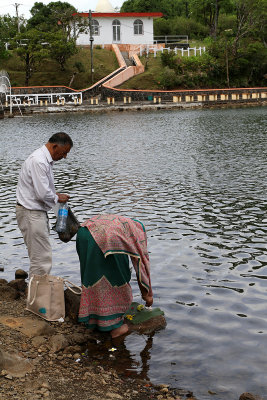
[[123, 14]]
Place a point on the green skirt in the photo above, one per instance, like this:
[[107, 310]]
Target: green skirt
[[106, 292]]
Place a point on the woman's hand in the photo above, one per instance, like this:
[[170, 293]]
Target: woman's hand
[[148, 299], [145, 296]]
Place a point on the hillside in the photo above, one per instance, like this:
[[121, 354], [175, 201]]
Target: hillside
[[48, 72]]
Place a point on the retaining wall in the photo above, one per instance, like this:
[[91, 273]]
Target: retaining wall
[[237, 95]]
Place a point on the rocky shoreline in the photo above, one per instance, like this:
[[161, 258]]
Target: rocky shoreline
[[54, 361]]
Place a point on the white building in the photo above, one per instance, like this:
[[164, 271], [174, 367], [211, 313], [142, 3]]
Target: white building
[[110, 27]]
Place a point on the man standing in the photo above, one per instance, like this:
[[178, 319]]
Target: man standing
[[35, 196]]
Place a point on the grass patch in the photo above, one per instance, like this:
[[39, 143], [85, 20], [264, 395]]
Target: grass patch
[[48, 72], [150, 78]]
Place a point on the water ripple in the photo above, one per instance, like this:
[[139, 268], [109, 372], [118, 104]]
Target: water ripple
[[197, 180]]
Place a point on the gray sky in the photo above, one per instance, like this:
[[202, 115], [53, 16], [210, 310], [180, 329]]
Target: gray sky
[[8, 7]]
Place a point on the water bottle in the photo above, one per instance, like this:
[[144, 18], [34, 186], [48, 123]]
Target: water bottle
[[61, 224]]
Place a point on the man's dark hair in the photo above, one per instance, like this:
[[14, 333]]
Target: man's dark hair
[[61, 138]]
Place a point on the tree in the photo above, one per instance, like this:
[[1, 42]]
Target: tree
[[207, 12], [31, 47], [169, 8], [60, 48], [250, 16], [57, 16]]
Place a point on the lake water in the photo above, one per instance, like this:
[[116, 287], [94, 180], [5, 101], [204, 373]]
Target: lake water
[[197, 180]]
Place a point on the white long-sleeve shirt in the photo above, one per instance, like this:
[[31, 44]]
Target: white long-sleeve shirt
[[36, 189]]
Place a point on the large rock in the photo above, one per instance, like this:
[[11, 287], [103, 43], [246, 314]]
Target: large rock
[[21, 274], [144, 320], [249, 396], [18, 284], [72, 304], [14, 365], [28, 326], [7, 292], [149, 326], [58, 342]]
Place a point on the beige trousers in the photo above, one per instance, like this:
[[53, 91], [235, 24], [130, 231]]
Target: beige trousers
[[34, 226]]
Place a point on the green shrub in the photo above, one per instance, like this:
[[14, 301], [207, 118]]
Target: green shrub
[[188, 26], [168, 59], [168, 79], [79, 66]]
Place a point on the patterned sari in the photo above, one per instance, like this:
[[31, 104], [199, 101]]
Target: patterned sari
[[103, 245]]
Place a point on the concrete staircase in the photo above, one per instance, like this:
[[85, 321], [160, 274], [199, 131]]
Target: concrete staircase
[[129, 62]]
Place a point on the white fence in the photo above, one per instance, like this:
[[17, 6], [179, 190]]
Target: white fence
[[183, 52], [44, 98]]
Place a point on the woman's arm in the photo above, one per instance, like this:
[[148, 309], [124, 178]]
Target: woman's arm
[[145, 295]]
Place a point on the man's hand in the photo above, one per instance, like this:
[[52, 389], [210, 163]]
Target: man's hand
[[62, 198]]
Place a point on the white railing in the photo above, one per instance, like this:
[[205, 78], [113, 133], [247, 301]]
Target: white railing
[[45, 98], [168, 39], [145, 49]]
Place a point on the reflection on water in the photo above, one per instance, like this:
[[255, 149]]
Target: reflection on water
[[197, 180], [114, 353]]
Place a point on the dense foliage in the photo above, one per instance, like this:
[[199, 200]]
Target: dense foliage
[[48, 33], [234, 33]]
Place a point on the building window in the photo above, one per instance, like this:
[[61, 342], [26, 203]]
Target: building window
[[116, 25], [138, 27], [95, 28]]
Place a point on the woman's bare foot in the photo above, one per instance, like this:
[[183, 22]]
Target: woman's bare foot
[[119, 331]]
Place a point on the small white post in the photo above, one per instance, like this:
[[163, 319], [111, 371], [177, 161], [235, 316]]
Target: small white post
[[195, 51], [182, 52], [188, 51]]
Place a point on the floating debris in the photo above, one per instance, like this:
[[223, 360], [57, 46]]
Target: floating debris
[[112, 349]]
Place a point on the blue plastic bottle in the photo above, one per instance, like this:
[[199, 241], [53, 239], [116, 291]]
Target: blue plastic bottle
[[62, 217]]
